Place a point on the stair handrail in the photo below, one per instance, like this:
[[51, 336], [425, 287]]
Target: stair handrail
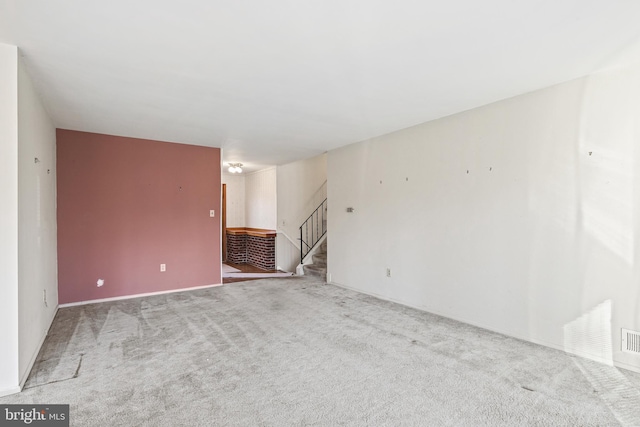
[[317, 221]]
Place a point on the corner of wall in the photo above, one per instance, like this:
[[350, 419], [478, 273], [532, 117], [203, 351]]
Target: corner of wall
[[37, 229]]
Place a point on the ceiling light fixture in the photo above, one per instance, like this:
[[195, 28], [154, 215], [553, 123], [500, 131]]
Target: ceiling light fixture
[[235, 167]]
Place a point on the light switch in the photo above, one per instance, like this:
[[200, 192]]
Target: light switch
[[212, 213]]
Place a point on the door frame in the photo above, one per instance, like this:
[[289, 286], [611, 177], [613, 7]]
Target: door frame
[[224, 222]]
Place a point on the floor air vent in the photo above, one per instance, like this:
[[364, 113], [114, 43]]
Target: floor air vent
[[630, 341]]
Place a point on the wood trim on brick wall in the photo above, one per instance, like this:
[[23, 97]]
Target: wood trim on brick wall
[[258, 232]]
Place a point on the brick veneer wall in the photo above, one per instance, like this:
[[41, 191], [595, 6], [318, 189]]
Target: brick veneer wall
[[259, 251], [237, 248]]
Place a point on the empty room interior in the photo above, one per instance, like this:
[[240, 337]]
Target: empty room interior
[[438, 204]]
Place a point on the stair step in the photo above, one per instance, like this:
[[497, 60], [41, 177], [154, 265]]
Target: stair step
[[320, 258], [314, 270]]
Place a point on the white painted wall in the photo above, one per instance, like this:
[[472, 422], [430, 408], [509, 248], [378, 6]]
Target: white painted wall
[[301, 188], [235, 199], [261, 199], [521, 216], [37, 235], [9, 368]]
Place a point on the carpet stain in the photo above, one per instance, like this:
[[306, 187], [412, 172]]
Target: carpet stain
[[77, 372], [75, 375]]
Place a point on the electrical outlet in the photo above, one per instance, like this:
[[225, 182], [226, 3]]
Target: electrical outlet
[[388, 272], [163, 267]]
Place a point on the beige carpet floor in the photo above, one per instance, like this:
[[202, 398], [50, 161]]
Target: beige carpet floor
[[297, 352]]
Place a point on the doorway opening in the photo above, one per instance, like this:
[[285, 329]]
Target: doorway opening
[[247, 253]]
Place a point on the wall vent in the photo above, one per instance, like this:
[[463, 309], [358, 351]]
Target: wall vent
[[630, 341]]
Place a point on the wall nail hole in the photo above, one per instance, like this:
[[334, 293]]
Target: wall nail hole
[[407, 179], [490, 169], [590, 152], [36, 160], [467, 170], [380, 182]]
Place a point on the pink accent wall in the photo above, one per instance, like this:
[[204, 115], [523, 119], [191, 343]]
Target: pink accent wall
[[127, 205]]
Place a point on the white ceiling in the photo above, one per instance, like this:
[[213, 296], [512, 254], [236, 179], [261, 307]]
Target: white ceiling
[[275, 81]]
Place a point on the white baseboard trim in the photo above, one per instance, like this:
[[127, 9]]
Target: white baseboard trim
[[8, 391], [588, 356], [148, 294], [34, 356], [626, 366]]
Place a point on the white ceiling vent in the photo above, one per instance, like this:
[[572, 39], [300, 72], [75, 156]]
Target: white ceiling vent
[[630, 341]]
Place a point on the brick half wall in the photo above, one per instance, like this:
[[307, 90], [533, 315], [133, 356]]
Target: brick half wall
[[237, 248], [261, 252], [251, 246]]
